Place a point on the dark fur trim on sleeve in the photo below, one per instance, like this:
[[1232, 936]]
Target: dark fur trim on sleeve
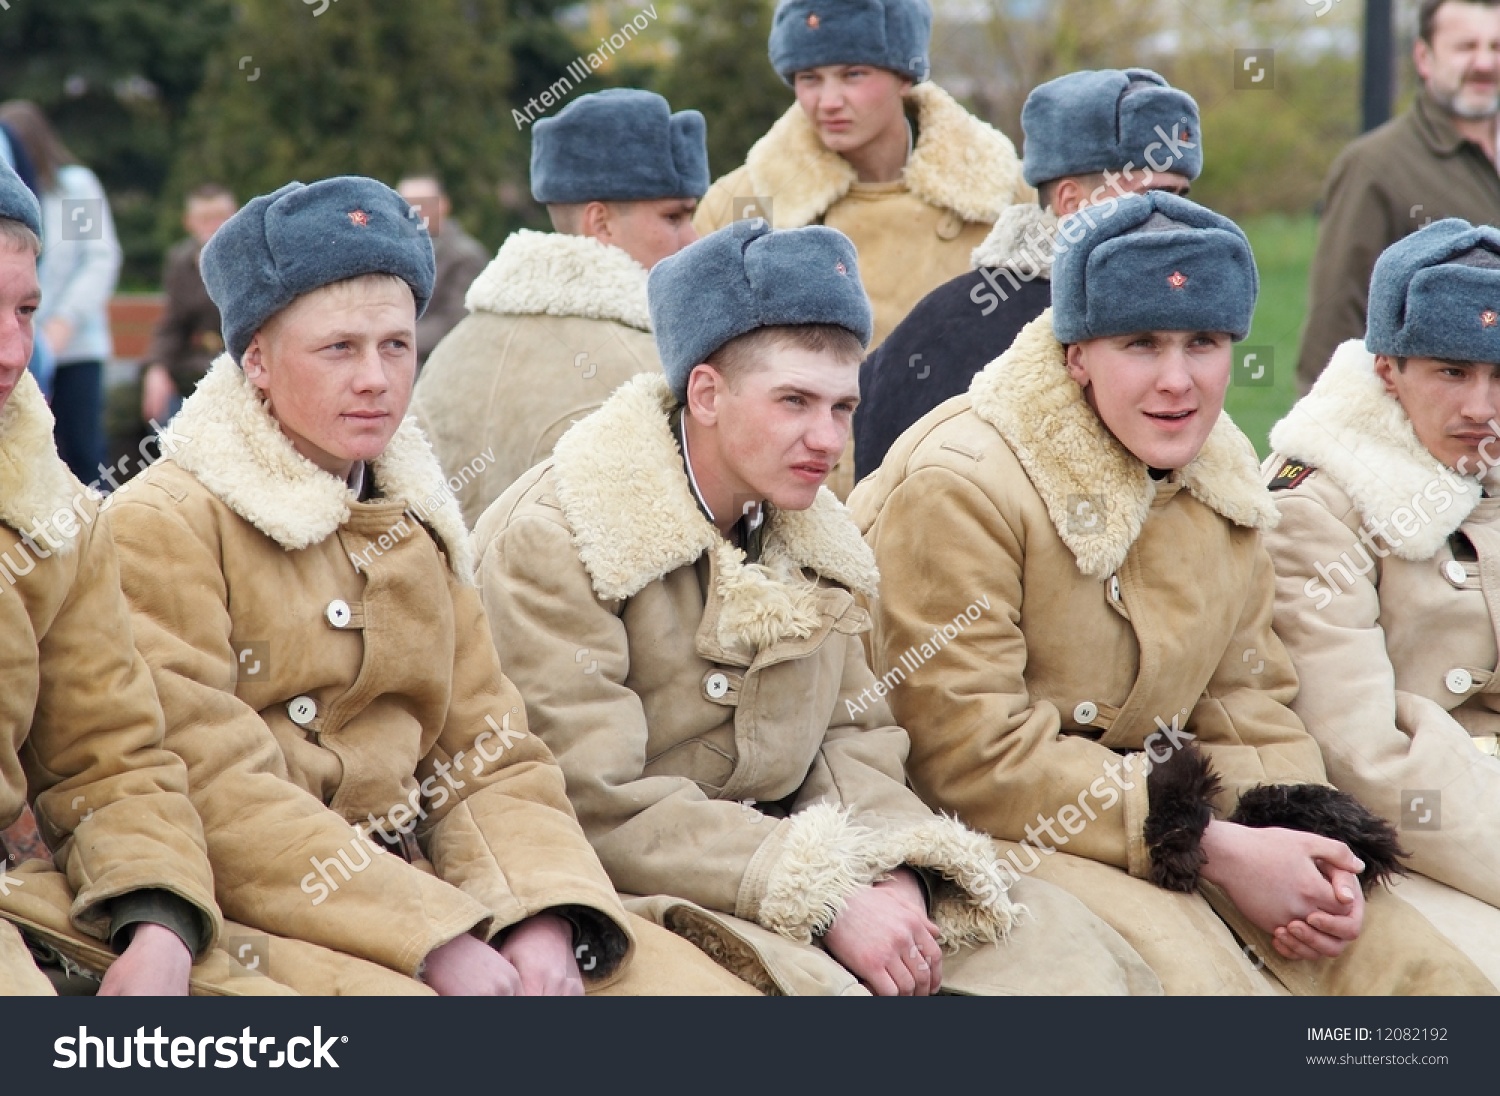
[[1317, 808], [1180, 791], [598, 943]]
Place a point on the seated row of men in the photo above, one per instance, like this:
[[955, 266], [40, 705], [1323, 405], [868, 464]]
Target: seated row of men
[[278, 655]]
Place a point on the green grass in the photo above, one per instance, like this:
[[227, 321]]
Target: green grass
[[1283, 252]]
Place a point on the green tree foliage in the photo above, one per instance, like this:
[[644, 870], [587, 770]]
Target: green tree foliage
[[115, 77], [721, 69], [305, 90]]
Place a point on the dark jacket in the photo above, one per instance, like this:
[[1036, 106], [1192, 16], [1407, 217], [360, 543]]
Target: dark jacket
[[187, 337], [460, 259], [1383, 187], [954, 332]]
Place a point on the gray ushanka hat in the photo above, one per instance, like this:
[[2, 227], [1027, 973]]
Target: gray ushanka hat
[[747, 276], [620, 145], [303, 237], [1156, 262], [1436, 294]]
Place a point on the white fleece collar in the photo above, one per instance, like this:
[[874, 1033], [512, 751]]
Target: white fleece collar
[[959, 163], [1353, 431], [1068, 454], [228, 441], [34, 482], [1022, 240], [625, 493], [553, 274]]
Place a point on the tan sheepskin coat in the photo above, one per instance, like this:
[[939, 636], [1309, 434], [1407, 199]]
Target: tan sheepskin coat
[[714, 721]]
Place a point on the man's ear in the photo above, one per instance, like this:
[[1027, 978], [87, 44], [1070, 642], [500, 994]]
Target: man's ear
[[1385, 369], [253, 362], [1421, 56], [598, 220], [1077, 368], [704, 388]]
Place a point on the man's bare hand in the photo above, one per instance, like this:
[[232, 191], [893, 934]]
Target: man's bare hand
[[468, 967], [541, 948], [886, 939], [156, 963], [1326, 932], [1299, 887], [157, 390]]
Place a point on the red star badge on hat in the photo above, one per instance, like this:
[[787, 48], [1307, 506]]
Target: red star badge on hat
[[840, 267], [813, 21], [1177, 279], [359, 218], [1489, 317]]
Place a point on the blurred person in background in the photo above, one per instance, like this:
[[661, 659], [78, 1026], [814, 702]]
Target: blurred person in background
[[186, 339], [78, 272], [558, 319], [1436, 160], [459, 256]]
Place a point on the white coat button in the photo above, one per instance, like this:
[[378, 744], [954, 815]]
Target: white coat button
[[1086, 712], [1114, 587], [1459, 681], [302, 709], [1457, 573], [717, 686], [338, 613]]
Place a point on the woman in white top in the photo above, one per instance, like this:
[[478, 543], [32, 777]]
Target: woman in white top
[[79, 267]]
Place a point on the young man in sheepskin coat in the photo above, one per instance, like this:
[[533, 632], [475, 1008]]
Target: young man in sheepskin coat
[[109, 876], [1119, 716], [558, 320], [875, 150], [674, 592], [1384, 475], [1091, 138], [302, 589]]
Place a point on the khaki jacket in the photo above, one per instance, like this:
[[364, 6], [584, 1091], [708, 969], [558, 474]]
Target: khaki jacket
[[1388, 598], [82, 726], [713, 716], [912, 235], [326, 672], [556, 323], [1081, 613]]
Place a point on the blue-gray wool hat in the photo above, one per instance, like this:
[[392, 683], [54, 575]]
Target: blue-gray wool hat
[[889, 34], [303, 237], [748, 276], [1436, 294], [18, 203], [1155, 262], [1088, 122], [620, 145]]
